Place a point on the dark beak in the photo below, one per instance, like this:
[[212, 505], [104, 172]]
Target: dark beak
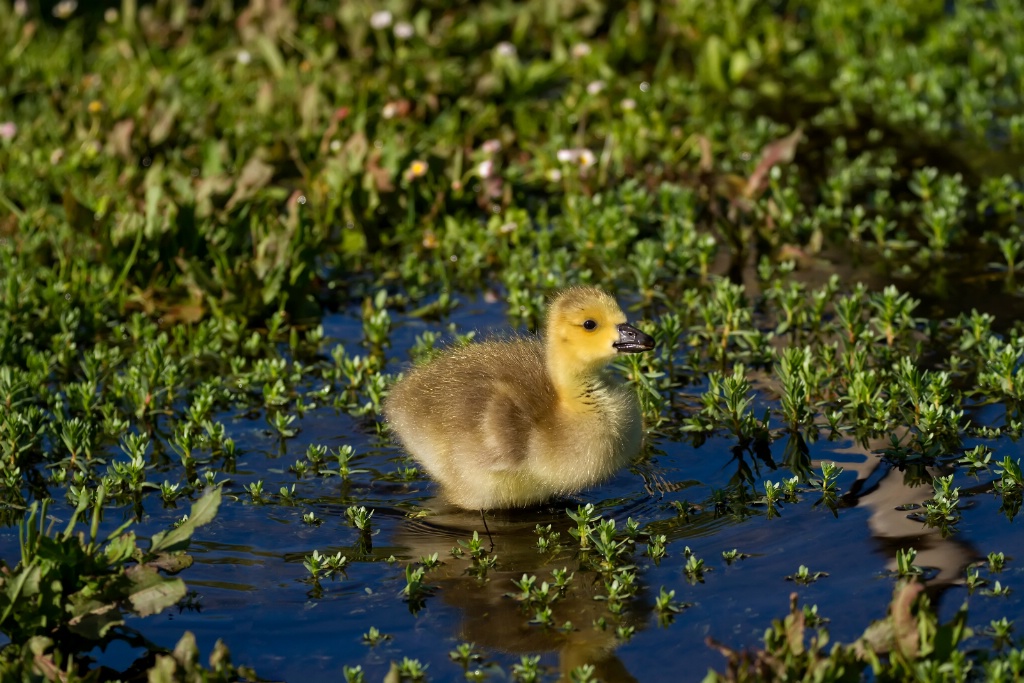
[[632, 340]]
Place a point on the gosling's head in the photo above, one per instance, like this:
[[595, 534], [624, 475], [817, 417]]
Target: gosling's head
[[585, 329]]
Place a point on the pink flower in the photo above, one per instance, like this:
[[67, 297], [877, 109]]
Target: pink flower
[[8, 129]]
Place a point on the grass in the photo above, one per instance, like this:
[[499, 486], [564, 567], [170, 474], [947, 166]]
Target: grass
[[186, 193]]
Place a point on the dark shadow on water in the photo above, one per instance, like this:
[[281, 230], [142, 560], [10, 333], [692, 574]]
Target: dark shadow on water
[[488, 614]]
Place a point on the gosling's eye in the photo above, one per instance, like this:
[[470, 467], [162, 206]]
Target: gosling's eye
[[589, 325]]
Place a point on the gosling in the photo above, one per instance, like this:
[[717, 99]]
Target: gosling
[[513, 423]]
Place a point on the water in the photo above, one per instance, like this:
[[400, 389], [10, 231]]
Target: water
[[252, 590]]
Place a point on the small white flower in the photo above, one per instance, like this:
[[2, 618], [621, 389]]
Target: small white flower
[[335, 145], [20, 7], [581, 156], [492, 146], [580, 50], [506, 49], [244, 57], [65, 8], [628, 104], [404, 30], [506, 228], [553, 175], [8, 129], [389, 110], [485, 169], [595, 87], [380, 20], [110, 15]]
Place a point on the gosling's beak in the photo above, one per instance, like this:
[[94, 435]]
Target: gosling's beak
[[632, 340]]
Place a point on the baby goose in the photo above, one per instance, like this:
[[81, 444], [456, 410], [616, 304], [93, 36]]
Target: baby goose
[[513, 423]]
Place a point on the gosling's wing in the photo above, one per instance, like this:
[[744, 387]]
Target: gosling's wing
[[479, 404], [503, 396]]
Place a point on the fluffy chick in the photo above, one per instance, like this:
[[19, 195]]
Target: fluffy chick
[[513, 423]]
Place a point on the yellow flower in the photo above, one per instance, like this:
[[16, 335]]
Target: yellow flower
[[417, 169], [95, 107]]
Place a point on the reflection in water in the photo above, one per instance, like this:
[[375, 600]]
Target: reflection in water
[[490, 617], [891, 495]]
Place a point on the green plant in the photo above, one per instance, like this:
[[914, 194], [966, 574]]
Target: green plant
[[416, 590], [694, 568], [943, 510], [75, 589], [804, 576], [905, 563], [359, 517], [733, 555], [373, 636]]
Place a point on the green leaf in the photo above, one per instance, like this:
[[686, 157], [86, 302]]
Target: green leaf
[[739, 64], [24, 585], [151, 592], [120, 549], [203, 512], [96, 621], [171, 563], [712, 58]]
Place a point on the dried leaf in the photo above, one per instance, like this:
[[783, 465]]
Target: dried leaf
[[186, 652], [707, 158], [119, 141], [339, 115], [903, 620], [381, 176], [164, 124], [207, 189], [876, 639], [255, 176], [781, 151], [189, 313], [163, 671], [794, 625], [172, 564], [40, 647], [355, 152], [394, 674]]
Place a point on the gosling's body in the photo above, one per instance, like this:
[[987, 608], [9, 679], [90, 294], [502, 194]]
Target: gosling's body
[[513, 423]]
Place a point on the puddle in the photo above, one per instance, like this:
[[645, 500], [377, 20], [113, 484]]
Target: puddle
[[251, 589]]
